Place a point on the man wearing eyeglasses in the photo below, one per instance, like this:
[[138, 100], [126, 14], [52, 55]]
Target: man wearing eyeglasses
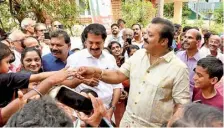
[[56, 25], [27, 26], [40, 31]]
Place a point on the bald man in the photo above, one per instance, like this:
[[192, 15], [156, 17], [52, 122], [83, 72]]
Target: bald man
[[191, 55], [214, 43], [31, 42]]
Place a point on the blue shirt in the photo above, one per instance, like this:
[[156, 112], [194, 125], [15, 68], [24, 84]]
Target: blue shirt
[[51, 63]]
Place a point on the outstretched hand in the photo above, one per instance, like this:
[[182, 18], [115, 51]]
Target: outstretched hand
[[65, 73], [85, 72]]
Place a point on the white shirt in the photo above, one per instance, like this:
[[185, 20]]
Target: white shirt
[[106, 61]]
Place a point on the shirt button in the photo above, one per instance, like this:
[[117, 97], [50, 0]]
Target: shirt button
[[135, 102], [139, 92], [143, 81], [148, 71], [132, 122]]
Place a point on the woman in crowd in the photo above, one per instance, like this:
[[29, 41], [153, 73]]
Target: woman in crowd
[[31, 60], [116, 50]]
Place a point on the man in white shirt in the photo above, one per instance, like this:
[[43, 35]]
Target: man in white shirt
[[214, 43], [94, 56]]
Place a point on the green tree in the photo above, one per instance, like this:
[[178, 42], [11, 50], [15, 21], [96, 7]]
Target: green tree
[[137, 11], [65, 11], [218, 13]]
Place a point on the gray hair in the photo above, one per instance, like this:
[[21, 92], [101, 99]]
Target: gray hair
[[25, 22], [16, 35]]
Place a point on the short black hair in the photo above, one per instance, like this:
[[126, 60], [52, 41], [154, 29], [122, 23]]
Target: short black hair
[[42, 112], [61, 33], [4, 51], [186, 28], [195, 27], [140, 27], [114, 25], [132, 47], [113, 42], [167, 30], [120, 20], [198, 36], [97, 29], [213, 66], [199, 115], [177, 25]]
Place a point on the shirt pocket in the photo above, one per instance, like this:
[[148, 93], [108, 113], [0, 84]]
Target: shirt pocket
[[164, 89]]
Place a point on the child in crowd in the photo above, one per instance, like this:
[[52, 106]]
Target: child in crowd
[[208, 72], [5, 58]]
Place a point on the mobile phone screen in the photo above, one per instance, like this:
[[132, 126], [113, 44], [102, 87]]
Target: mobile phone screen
[[74, 100], [47, 35]]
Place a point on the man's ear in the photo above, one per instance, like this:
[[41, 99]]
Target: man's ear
[[164, 41], [214, 80], [198, 43]]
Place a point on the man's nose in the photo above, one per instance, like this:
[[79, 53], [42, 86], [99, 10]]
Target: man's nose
[[94, 46]]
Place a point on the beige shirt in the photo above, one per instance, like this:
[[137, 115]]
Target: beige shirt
[[154, 89]]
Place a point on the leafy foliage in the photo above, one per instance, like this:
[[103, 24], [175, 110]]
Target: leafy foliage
[[65, 11], [137, 11], [219, 14], [169, 10]]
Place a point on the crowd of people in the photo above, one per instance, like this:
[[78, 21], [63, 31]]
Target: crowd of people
[[157, 76]]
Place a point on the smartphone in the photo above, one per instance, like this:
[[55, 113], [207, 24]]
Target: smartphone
[[74, 100], [129, 41], [47, 35]]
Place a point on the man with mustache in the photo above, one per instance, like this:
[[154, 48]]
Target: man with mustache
[[60, 50], [159, 81], [115, 35], [214, 43], [95, 35], [191, 55], [137, 40]]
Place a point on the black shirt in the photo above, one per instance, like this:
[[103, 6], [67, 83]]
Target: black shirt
[[9, 82]]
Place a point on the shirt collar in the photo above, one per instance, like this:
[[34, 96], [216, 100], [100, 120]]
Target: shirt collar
[[57, 59], [88, 55], [167, 57], [196, 56]]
